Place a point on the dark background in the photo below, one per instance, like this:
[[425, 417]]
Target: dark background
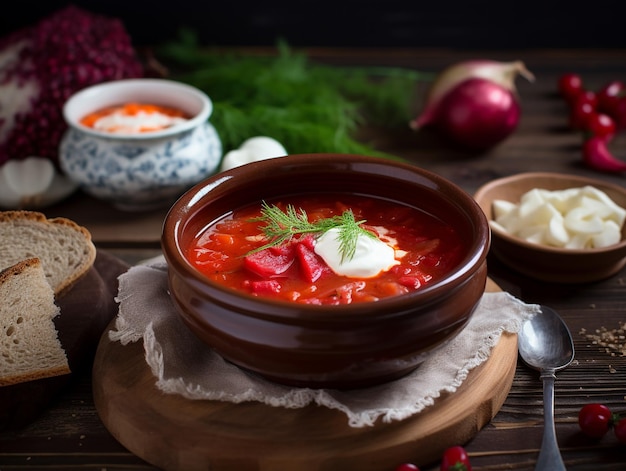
[[485, 24]]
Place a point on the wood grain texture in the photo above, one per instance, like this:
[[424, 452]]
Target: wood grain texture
[[70, 435], [178, 434]]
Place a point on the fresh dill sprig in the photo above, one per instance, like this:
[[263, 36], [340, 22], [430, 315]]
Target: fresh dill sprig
[[280, 226], [307, 106], [349, 232]]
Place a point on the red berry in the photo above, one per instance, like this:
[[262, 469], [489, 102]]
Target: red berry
[[407, 467], [616, 109], [570, 86], [600, 124], [580, 112], [608, 94], [455, 459], [587, 96], [595, 420], [620, 430]]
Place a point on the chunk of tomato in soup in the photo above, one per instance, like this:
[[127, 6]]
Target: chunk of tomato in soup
[[272, 261], [312, 266]]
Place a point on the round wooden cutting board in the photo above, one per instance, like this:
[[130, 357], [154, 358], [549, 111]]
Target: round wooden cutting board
[[175, 433]]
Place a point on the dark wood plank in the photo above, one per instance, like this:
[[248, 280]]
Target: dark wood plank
[[70, 434]]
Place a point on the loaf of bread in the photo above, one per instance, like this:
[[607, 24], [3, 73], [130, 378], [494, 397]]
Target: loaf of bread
[[29, 345], [64, 248]]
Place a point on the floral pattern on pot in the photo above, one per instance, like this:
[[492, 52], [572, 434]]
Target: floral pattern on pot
[[140, 174]]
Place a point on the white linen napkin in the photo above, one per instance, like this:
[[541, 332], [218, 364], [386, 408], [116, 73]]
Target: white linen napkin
[[182, 364]]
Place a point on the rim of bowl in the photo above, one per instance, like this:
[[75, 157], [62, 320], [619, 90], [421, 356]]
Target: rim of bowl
[[465, 268], [621, 246], [152, 90]]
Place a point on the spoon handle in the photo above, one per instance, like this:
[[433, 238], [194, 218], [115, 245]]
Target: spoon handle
[[549, 456]]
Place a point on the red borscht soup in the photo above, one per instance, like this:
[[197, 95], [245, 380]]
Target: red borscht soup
[[241, 252]]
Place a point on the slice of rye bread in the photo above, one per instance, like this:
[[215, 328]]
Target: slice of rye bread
[[29, 345], [65, 249]]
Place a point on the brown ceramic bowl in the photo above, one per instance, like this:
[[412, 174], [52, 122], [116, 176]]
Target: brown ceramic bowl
[[545, 263], [345, 346]]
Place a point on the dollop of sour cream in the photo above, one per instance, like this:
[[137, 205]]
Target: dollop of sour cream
[[371, 257], [119, 122]]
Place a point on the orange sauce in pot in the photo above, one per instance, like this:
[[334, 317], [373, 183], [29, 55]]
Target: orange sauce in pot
[[134, 118]]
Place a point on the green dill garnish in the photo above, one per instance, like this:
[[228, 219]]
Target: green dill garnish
[[280, 226], [307, 106]]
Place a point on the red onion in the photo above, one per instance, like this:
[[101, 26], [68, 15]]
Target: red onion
[[474, 103]]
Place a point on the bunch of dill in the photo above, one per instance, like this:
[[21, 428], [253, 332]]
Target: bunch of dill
[[308, 107]]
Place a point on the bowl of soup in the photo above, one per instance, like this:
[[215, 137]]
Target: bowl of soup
[[326, 270], [139, 143]]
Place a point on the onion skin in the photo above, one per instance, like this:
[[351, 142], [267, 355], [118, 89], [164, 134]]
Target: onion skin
[[477, 115], [474, 103]]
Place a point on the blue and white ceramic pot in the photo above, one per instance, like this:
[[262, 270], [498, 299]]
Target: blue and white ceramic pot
[[143, 170]]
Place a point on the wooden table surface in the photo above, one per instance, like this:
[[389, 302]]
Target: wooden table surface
[[69, 434]]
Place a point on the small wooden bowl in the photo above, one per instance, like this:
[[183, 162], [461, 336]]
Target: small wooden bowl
[[545, 263]]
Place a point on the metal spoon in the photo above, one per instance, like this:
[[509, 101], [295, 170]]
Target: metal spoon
[[545, 344]]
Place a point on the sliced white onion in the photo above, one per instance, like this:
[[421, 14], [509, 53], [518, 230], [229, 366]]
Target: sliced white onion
[[574, 218]]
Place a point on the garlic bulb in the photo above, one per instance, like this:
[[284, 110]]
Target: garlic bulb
[[31, 183], [252, 150]]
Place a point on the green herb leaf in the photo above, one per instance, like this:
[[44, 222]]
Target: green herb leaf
[[349, 232], [308, 107], [280, 226]]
